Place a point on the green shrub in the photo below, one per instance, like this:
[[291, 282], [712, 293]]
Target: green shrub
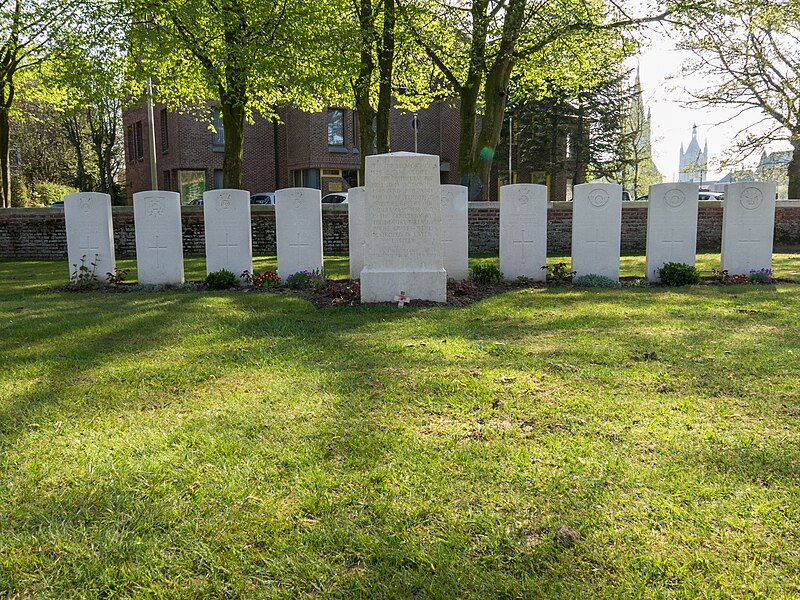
[[676, 274], [221, 280], [47, 192], [558, 273], [486, 273], [595, 281]]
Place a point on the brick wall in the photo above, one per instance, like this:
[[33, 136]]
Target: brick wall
[[36, 233]]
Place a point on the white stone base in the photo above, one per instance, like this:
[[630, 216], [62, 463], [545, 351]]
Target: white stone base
[[383, 286]]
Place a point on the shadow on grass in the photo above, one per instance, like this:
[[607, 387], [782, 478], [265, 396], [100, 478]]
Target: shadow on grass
[[372, 451]]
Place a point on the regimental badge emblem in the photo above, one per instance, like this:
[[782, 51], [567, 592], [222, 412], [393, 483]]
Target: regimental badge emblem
[[675, 198], [524, 200], [297, 199], [155, 206], [598, 198], [447, 199], [752, 198], [224, 203], [86, 204]]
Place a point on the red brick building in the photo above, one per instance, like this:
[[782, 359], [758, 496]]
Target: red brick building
[[319, 150]]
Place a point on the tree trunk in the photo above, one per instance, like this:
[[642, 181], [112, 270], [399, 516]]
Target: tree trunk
[[581, 145], [6, 101], [5, 159], [495, 93], [233, 122], [385, 67], [468, 95], [495, 99], [466, 139], [794, 169], [72, 129], [363, 82]]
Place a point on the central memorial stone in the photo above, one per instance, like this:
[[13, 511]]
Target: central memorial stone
[[403, 226]]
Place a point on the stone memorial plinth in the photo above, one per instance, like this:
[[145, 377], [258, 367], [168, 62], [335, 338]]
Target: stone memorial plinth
[[748, 225], [356, 201], [671, 226], [229, 242], [403, 227], [455, 229], [596, 229], [159, 241], [298, 230], [523, 231], [90, 233]]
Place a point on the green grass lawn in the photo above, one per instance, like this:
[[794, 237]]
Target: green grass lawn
[[186, 444]]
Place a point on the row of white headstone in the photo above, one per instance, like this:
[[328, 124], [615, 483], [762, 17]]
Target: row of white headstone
[[408, 234], [747, 228], [228, 241]]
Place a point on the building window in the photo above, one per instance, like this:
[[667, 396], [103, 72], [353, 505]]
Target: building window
[[503, 179], [218, 178], [336, 127], [131, 143], [218, 134], [164, 131], [135, 142], [168, 181], [191, 185]]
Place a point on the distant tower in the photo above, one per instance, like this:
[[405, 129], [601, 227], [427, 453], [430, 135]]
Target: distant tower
[[693, 162]]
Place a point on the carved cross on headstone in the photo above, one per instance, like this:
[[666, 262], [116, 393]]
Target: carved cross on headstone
[[401, 299], [596, 241], [87, 248], [672, 241], [155, 246], [228, 245], [749, 244], [524, 246], [299, 243]]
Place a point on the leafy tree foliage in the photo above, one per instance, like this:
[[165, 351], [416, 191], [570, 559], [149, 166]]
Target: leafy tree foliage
[[751, 51], [28, 36], [249, 55], [484, 42]]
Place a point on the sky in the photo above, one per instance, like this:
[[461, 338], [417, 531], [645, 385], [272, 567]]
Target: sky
[[665, 91]]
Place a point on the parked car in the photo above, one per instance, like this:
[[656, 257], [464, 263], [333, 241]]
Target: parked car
[[59, 204], [626, 196], [335, 198], [197, 201], [704, 195], [262, 198]]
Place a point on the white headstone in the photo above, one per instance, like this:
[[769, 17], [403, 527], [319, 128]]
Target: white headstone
[[403, 228], [455, 228], [298, 230], [356, 200], [596, 228], [523, 231], [748, 224], [229, 242], [159, 242], [671, 226], [90, 233]]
